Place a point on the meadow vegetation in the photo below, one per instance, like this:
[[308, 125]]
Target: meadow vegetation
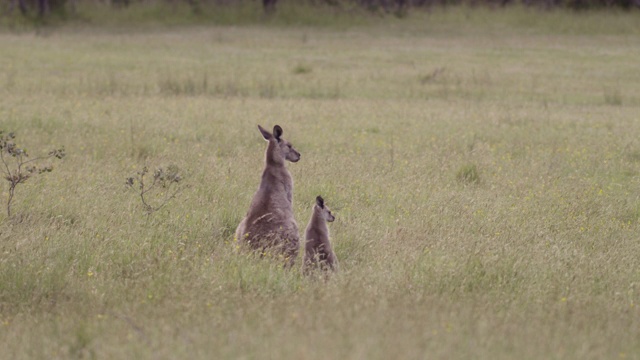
[[483, 168]]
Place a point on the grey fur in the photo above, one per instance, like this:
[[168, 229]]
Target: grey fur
[[318, 252], [269, 224]]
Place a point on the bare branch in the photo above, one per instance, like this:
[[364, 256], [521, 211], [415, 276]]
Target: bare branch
[[161, 178]]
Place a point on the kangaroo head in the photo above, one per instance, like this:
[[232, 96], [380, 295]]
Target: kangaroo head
[[324, 210], [279, 149]]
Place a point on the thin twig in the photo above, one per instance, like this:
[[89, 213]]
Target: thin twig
[[167, 199], [160, 177], [38, 158], [4, 162]]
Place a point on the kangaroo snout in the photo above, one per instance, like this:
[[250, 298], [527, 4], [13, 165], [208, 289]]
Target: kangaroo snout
[[294, 157]]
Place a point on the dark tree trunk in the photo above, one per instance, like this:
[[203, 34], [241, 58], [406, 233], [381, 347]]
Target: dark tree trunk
[[269, 6], [22, 5], [401, 8], [43, 8]]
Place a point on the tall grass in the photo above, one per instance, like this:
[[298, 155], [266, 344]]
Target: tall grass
[[485, 190]]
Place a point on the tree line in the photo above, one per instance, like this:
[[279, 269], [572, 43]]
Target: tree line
[[396, 5], [44, 8]]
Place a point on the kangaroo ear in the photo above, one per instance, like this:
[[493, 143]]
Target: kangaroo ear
[[265, 134], [277, 132], [320, 202]]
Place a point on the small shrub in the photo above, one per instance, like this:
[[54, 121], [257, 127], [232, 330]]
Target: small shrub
[[16, 165], [267, 90], [612, 97], [189, 86], [167, 181], [302, 69], [468, 174], [432, 76]]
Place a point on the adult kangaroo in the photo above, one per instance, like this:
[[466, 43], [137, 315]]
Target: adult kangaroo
[[269, 225]]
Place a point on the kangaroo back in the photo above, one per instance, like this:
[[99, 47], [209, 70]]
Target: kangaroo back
[[269, 224]]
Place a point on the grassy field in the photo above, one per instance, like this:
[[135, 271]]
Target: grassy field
[[483, 167]]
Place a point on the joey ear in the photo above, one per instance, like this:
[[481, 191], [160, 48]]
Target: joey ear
[[320, 201], [277, 132], [265, 134]]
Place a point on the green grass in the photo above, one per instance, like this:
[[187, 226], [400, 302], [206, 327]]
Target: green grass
[[535, 259]]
